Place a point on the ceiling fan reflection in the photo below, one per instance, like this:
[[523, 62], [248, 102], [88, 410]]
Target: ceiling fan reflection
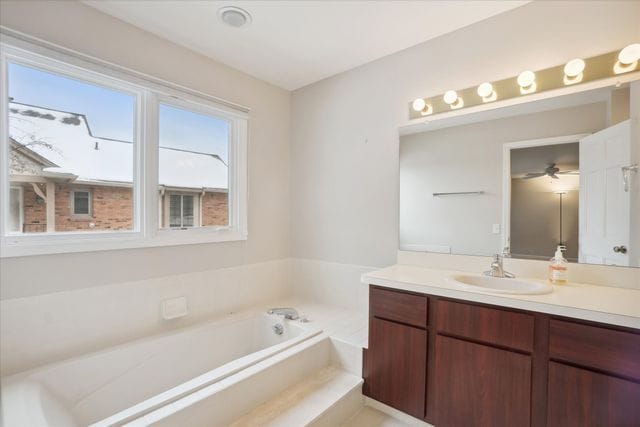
[[551, 171]]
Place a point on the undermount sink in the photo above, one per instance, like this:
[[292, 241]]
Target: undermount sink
[[500, 285]]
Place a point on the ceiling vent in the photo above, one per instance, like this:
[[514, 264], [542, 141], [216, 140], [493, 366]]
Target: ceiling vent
[[234, 16]]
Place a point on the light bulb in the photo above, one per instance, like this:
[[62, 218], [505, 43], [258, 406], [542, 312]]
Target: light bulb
[[574, 68], [526, 78], [418, 104], [450, 97], [485, 90], [629, 54]]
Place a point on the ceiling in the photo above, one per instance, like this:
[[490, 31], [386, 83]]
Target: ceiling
[[295, 43], [536, 159]]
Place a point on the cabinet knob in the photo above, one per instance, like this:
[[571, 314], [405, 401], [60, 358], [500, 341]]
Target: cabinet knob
[[620, 249]]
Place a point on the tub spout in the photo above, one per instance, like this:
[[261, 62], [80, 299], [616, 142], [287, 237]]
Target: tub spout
[[287, 312]]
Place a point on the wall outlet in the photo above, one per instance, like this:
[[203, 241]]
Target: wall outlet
[[174, 308], [495, 229]]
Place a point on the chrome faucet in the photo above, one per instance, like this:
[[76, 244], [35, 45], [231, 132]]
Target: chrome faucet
[[287, 312], [497, 269]]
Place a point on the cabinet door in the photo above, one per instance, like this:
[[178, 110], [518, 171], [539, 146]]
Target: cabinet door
[[578, 397], [478, 385], [397, 365]]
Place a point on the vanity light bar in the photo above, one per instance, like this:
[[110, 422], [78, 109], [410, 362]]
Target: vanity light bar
[[575, 71]]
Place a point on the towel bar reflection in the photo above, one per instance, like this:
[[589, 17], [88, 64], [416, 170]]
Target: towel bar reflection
[[458, 193]]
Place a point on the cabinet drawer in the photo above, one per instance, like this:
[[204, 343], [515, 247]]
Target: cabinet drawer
[[610, 350], [398, 306], [489, 325]]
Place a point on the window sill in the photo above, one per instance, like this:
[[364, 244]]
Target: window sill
[[81, 217], [43, 244]]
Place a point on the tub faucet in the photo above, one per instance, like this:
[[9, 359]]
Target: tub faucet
[[497, 270], [287, 312]]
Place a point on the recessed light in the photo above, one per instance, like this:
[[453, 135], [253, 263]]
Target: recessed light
[[234, 16]]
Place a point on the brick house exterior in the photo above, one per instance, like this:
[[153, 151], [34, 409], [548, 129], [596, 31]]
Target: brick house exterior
[[36, 180], [215, 209], [34, 212], [112, 209]]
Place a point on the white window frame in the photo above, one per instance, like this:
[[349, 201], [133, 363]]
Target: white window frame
[[148, 93], [237, 179]]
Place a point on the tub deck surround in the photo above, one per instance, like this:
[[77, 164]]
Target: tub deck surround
[[301, 386], [305, 403], [37, 330], [118, 384], [603, 304], [347, 325]]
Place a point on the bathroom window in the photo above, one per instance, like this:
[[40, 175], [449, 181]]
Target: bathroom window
[[99, 159]]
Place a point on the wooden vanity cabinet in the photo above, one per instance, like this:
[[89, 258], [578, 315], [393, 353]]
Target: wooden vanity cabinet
[[396, 360], [397, 366], [480, 385], [585, 398], [594, 375], [483, 365], [456, 363]]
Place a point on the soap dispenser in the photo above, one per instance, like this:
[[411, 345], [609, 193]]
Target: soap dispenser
[[558, 268]]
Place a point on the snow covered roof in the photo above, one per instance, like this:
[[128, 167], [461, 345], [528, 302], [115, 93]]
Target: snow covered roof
[[65, 139]]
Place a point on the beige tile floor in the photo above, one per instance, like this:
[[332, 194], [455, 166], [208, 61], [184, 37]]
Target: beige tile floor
[[370, 417]]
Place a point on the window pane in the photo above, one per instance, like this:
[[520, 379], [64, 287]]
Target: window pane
[[187, 211], [81, 203], [194, 155], [15, 202], [66, 133], [175, 211]]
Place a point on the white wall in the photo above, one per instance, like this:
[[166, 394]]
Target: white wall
[[79, 27], [344, 138], [41, 329], [58, 306]]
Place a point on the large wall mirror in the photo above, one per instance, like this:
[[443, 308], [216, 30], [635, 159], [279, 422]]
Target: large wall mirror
[[524, 179]]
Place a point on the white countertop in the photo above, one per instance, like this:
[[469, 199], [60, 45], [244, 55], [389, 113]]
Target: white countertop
[[604, 304]]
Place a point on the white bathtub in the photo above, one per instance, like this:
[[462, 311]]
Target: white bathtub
[[120, 384]]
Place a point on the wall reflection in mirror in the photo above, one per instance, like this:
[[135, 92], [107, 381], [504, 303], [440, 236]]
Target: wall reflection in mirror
[[522, 180]]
